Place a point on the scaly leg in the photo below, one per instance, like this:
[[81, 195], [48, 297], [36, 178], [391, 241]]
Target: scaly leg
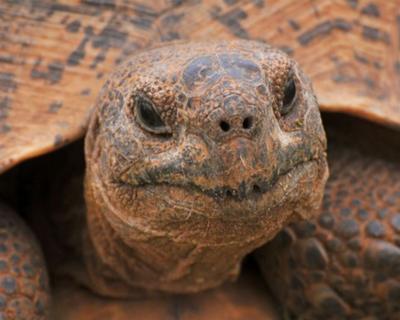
[[24, 287], [346, 263]]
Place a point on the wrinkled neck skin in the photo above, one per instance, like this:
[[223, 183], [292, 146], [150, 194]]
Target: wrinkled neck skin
[[178, 212]]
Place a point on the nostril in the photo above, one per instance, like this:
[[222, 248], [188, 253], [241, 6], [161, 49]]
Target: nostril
[[256, 188], [224, 126], [248, 123]]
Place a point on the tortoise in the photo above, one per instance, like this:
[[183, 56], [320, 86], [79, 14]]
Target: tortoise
[[210, 96]]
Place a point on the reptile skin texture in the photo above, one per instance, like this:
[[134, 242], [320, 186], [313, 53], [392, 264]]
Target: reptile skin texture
[[345, 264], [24, 288], [196, 154]]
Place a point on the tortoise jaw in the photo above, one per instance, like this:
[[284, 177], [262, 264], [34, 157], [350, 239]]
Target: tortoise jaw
[[253, 190], [169, 207], [257, 190]]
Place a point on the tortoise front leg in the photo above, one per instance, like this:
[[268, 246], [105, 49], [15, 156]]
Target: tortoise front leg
[[24, 284], [345, 264]]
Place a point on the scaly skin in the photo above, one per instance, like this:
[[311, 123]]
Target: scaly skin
[[175, 204], [234, 157], [345, 264], [24, 288]]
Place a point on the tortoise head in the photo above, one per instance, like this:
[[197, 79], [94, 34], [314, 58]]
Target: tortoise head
[[207, 143]]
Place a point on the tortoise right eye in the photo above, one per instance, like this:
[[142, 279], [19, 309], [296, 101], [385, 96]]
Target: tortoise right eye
[[148, 117], [289, 95]]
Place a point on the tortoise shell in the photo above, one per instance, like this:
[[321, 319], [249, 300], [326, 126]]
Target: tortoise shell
[[54, 55]]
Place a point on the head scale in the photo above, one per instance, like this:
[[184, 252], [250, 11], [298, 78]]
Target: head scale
[[202, 146]]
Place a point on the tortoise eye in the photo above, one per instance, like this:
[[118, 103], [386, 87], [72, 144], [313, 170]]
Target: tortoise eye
[[149, 118], [289, 95]]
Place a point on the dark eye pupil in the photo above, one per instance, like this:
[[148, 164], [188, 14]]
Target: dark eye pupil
[[148, 115], [289, 94]]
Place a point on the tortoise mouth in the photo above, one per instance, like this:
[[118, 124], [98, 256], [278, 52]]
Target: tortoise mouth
[[252, 190], [189, 213]]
